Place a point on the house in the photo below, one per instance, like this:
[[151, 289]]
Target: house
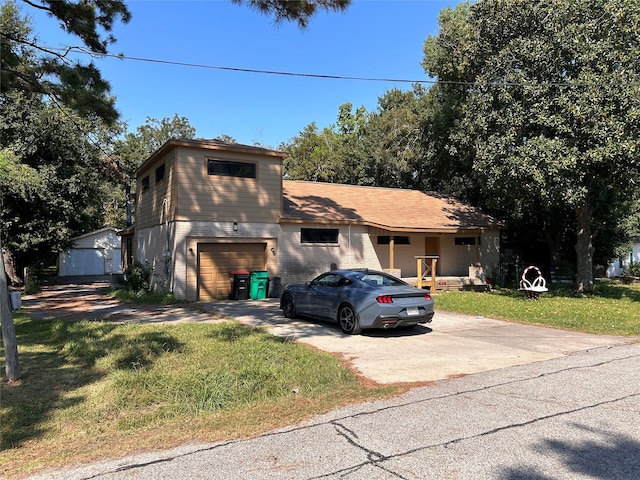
[[206, 208], [621, 266], [93, 253]]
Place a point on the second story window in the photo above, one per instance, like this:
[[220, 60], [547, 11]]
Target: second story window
[[160, 173], [231, 169], [145, 184]]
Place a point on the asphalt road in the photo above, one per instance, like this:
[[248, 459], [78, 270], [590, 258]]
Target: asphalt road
[[573, 417], [501, 401]]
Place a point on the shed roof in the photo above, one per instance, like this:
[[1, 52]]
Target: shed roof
[[385, 208]]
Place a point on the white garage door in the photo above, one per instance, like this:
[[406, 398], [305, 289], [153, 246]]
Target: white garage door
[[83, 261]]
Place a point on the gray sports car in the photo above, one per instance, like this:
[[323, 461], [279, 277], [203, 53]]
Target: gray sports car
[[358, 299]]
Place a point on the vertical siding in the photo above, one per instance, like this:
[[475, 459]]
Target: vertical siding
[[155, 206]]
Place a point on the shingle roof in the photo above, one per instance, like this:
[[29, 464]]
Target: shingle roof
[[387, 208]]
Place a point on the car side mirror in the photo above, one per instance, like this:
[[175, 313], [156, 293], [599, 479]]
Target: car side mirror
[[308, 284]]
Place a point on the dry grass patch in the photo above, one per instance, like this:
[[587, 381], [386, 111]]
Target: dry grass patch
[[92, 390]]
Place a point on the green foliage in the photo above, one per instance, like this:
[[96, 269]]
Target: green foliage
[[298, 11], [137, 277], [54, 178], [31, 67], [550, 111], [145, 297], [634, 270]]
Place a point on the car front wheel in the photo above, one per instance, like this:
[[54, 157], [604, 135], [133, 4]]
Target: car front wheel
[[348, 320], [288, 307]]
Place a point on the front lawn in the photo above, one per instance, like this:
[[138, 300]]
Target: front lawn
[[613, 309], [93, 390]]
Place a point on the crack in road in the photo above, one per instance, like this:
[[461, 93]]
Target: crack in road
[[377, 459]]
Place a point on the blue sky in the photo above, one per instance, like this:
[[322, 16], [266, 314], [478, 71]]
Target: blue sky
[[372, 39]]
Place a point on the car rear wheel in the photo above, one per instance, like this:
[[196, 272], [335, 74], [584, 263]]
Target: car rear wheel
[[288, 307], [348, 320]]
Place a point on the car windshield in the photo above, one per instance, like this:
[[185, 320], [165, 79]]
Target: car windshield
[[378, 279]]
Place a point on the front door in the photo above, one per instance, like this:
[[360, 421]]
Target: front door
[[432, 247]]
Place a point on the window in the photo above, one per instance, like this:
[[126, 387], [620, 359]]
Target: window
[[160, 173], [397, 240], [332, 280], [465, 240], [319, 235], [231, 169], [145, 184]]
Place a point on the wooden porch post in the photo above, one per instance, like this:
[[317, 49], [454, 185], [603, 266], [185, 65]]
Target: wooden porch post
[[391, 251], [422, 261]]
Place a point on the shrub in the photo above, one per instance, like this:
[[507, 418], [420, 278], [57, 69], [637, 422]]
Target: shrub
[[136, 277]]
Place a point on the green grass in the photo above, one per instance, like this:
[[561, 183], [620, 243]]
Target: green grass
[[144, 297], [613, 308], [92, 390]]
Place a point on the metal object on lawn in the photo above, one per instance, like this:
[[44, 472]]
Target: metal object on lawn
[[533, 288]]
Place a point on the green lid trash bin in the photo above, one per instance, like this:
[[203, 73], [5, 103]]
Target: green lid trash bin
[[258, 289]]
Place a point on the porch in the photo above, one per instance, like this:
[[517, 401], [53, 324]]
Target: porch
[[452, 283], [427, 278]]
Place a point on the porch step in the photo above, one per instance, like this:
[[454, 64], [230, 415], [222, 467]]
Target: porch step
[[456, 283]]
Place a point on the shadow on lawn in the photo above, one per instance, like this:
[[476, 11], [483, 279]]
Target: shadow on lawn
[[59, 357]]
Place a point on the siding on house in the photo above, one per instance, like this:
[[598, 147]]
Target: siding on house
[[155, 205], [192, 226], [204, 197], [298, 262]]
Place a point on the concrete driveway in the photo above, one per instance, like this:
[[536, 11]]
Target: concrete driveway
[[452, 345]]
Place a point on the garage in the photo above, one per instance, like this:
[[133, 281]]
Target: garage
[[94, 253], [84, 261], [216, 260]]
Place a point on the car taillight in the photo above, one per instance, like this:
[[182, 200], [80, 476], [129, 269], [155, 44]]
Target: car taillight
[[427, 296], [385, 299]]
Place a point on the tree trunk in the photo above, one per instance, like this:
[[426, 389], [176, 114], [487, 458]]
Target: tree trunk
[[9, 341], [10, 268], [584, 250]]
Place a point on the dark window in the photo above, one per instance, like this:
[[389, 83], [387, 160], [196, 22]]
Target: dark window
[[231, 169], [465, 240], [145, 184], [332, 280], [397, 240], [319, 235], [160, 173]]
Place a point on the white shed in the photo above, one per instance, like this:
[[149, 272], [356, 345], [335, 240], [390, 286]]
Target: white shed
[[94, 253]]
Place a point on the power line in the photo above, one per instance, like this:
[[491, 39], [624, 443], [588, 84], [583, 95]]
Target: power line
[[248, 70], [568, 83]]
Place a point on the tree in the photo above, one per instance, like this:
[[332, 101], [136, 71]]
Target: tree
[[300, 11], [9, 342], [335, 155], [52, 186], [550, 96], [27, 65], [394, 139]]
